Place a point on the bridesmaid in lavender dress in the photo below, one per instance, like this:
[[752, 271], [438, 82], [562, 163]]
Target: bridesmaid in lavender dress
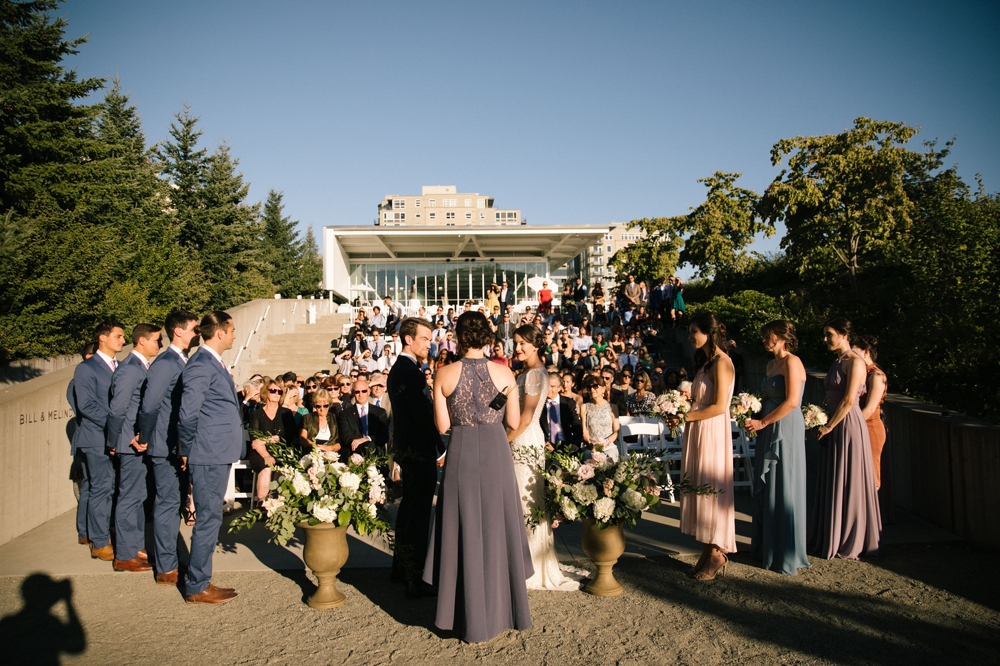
[[846, 522], [707, 453], [478, 555]]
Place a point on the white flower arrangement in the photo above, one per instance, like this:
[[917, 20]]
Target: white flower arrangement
[[318, 488], [814, 416]]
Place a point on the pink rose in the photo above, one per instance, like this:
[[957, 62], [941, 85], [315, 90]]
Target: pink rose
[[585, 472], [599, 457], [356, 459], [655, 491]]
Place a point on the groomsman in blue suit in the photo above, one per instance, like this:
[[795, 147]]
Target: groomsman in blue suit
[[210, 440], [126, 392], [78, 470], [158, 415], [91, 389]]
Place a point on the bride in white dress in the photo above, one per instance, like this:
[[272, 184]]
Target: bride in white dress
[[528, 448]]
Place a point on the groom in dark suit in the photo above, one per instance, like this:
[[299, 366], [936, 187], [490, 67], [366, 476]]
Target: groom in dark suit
[[417, 448], [210, 440]]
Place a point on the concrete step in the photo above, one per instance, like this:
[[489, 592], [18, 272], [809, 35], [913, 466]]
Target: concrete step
[[305, 351]]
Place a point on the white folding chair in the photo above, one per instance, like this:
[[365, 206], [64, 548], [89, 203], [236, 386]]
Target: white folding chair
[[646, 432], [742, 452], [233, 493]]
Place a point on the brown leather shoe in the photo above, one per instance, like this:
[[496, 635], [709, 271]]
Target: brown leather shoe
[[211, 595], [83, 541], [107, 553], [135, 564], [167, 578], [143, 555]]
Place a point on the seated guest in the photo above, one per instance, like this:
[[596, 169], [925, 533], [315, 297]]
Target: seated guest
[[498, 357], [251, 397], [293, 403], [378, 320], [277, 423], [319, 428], [363, 428], [375, 344], [366, 362]]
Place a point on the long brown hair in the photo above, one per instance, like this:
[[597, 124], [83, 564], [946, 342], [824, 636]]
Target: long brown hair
[[710, 325]]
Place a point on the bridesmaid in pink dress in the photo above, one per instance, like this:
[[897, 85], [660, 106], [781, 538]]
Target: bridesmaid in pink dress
[[707, 454]]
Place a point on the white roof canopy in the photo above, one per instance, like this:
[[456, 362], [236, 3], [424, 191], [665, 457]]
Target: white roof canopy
[[558, 244]]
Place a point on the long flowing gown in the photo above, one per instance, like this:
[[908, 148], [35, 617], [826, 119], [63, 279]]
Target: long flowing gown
[[478, 555], [845, 521], [876, 432], [707, 457], [529, 461], [779, 493]]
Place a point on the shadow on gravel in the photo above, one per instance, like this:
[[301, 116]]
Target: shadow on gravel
[[376, 586], [36, 634], [948, 566], [844, 627]]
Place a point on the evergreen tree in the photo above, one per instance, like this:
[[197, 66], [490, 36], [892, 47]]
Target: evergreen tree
[[57, 247], [281, 245], [310, 267], [185, 167], [151, 273], [232, 256]]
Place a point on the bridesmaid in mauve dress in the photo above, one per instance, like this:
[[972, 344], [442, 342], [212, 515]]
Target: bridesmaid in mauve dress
[[779, 493], [707, 453], [478, 555], [846, 522]]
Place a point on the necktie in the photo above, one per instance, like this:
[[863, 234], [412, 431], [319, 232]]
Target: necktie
[[555, 429], [114, 364], [364, 420]]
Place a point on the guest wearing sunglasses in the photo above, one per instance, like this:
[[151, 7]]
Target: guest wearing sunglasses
[[277, 423], [319, 429], [364, 427]]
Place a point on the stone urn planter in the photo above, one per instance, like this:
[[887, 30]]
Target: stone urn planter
[[325, 552], [603, 547]]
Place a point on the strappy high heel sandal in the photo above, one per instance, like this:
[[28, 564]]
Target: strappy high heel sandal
[[721, 571]]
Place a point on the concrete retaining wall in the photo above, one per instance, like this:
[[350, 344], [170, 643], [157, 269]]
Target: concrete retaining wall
[[36, 421]]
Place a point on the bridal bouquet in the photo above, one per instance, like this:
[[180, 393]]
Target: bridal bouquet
[[814, 416], [742, 409], [604, 490], [319, 488], [672, 404]]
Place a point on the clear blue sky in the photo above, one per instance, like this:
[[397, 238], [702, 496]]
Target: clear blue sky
[[574, 112]]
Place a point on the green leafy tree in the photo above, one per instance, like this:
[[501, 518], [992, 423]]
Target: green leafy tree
[[842, 197], [655, 255], [720, 229]]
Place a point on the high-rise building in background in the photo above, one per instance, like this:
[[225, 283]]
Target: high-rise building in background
[[594, 263], [444, 206]]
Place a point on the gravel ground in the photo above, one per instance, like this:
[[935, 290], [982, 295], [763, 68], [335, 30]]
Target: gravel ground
[[919, 604]]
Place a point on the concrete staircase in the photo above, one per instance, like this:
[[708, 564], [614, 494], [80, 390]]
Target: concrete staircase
[[305, 351]]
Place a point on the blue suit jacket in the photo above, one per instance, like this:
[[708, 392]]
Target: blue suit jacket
[[126, 390], [161, 404], [210, 431], [91, 389]]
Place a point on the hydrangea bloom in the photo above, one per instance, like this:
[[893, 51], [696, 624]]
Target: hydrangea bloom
[[568, 508], [585, 494], [634, 500], [325, 510], [301, 484], [272, 504], [603, 509], [350, 481]]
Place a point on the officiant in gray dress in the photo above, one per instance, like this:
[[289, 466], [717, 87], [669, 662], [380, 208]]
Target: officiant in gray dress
[[478, 557]]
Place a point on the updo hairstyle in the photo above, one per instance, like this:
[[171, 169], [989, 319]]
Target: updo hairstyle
[[532, 335], [783, 330], [472, 331]]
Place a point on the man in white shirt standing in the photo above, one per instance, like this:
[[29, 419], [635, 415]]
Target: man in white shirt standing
[[628, 358]]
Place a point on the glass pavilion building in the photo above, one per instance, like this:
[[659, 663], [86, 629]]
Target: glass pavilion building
[[448, 265]]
